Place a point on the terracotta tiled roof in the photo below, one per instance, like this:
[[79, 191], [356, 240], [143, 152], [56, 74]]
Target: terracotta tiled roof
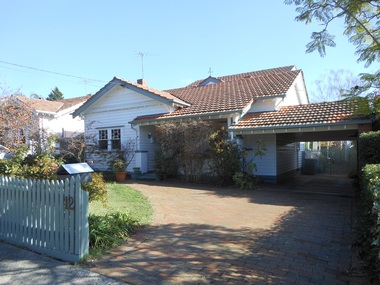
[[235, 92], [157, 92], [300, 115], [43, 105], [258, 73], [67, 103]]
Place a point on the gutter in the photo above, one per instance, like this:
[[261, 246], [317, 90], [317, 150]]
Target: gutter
[[299, 128], [185, 117]]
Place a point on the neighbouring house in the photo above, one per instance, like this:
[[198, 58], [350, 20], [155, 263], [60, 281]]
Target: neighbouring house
[[271, 105], [55, 117]]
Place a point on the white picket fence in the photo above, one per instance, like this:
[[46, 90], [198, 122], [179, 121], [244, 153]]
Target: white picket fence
[[50, 217]]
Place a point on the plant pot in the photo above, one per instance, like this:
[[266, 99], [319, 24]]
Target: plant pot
[[121, 176]]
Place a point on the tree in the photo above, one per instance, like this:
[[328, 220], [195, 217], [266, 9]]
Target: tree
[[16, 122], [334, 85], [362, 27], [55, 95]]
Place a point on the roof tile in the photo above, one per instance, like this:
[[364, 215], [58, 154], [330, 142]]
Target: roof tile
[[300, 115], [234, 92]]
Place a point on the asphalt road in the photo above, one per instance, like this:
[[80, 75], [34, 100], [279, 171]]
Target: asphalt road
[[20, 266]]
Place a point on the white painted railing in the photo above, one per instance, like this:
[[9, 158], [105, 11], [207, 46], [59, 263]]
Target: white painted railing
[[50, 217]]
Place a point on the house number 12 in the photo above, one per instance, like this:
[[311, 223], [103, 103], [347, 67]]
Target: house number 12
[[68, 203]]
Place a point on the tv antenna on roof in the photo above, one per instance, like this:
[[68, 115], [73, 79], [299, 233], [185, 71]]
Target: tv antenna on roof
[[210, 71], [142, 55]]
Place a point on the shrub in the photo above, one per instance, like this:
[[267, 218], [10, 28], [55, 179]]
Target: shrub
[[369, 230], [182, 148], [225, 157], [97, 188], [108, 176], [9, 168], [40, 166], [369, 150], [245, 180], [107, 231]]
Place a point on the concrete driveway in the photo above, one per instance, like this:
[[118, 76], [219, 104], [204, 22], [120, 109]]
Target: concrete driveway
[[19, 266], [212, 235]]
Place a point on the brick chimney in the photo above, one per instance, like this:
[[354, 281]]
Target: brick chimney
[[141, 82]]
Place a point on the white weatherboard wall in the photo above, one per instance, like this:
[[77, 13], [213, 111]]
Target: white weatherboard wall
[[266, 166], [296, 94], [117, 108], [266, 105], [287, 155], [62, 121]]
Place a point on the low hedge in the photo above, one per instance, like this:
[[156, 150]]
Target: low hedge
[[369, 230], [369, 150]]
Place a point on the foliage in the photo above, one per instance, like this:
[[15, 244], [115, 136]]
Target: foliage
[[55, 95], [109, 230], [245, 179], [182, 147], [369, 222], [197, 148], [16, 120], [42, 142], [118, 165], [72, 149], [108, 176], [97, 188], [9, 168], [41, 166], [225, 157], [369, 150], [361, 26], [166, 158]]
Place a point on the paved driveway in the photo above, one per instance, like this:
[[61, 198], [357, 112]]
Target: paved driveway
[[211, 235]]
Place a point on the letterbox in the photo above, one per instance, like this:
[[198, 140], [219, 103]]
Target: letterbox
[[72, 169]]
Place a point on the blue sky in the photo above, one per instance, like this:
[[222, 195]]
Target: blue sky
[[180, 40]]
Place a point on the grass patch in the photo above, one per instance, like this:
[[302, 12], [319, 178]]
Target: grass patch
[[110, 224], [126, 200]]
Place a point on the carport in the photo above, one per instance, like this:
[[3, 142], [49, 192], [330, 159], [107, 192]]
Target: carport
[[293, 133]]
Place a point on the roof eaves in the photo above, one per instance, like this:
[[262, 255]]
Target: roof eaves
[[264, 97], [94, 98], [46, 112], [340, 123], [153, 95], [216, 115]]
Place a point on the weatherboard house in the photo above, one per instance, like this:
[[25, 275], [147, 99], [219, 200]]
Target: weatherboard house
[[271, 105], [55, 117]]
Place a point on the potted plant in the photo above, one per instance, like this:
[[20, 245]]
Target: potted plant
[[136, 172], [119, 167]]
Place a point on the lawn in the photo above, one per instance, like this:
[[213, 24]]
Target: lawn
[[127, 200], [112, 223]]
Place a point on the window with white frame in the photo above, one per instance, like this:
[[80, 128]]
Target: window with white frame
[[110, 139]]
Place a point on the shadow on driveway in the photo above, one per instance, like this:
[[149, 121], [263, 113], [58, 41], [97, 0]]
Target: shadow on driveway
[[211, 235]]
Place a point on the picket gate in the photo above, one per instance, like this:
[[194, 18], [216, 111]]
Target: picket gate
[[49, 217]]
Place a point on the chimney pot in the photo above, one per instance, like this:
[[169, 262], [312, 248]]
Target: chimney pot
[[141, 82]]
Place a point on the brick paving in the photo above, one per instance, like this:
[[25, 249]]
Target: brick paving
[[211, 235]]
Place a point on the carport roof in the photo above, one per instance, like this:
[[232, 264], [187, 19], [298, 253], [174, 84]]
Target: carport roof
[[307, 115]]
